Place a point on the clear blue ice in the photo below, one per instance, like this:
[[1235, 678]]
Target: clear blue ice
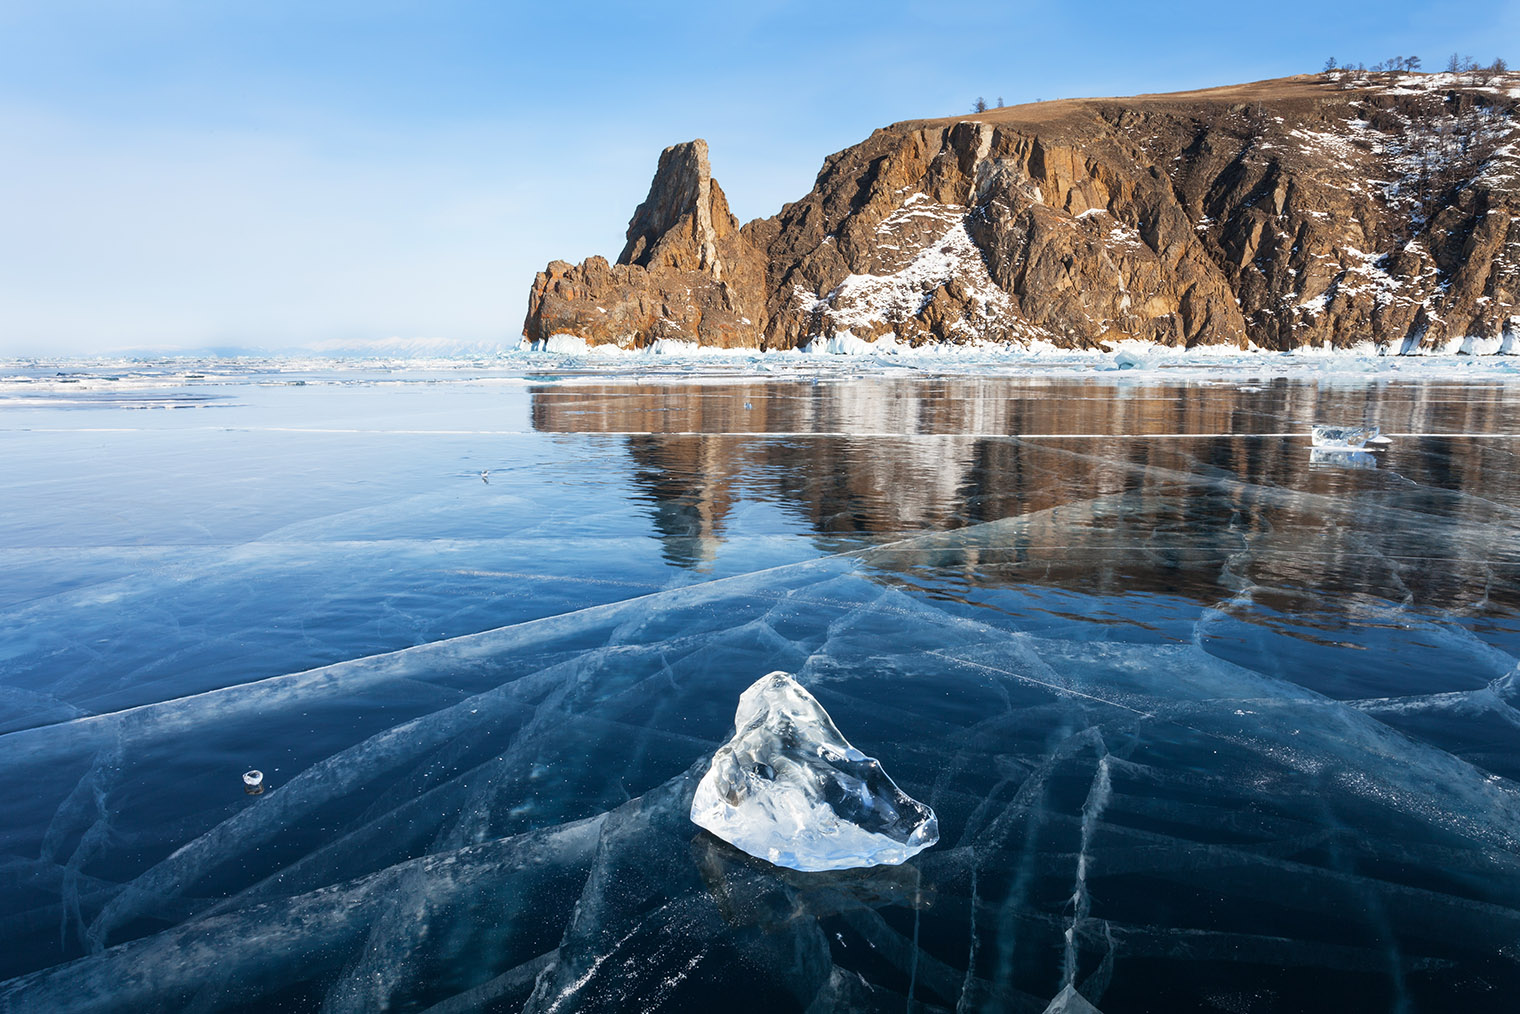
[[1207, 725]]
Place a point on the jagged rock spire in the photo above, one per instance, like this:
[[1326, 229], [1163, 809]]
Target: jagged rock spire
[[688, 273], [683, 218]]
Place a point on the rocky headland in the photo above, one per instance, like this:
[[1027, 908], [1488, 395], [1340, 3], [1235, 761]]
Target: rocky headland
[[1333, 210]]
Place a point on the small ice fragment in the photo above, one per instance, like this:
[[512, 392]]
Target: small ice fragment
[[789, 789], [1343, 436], [253, 782], [1379, 440]]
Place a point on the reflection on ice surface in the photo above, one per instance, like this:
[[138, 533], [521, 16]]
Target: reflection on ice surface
[[1343, 437], [1342, 457], [1205, 728], [791, 790]]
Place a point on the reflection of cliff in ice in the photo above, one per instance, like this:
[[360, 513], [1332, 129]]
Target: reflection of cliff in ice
[[1206, 468], [501, 819], [690, 517]]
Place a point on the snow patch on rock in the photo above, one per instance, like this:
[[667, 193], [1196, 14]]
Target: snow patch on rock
[[874, 309]]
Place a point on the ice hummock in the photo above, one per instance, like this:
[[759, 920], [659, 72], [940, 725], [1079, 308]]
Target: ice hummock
[[789, 789], [1346, 437]]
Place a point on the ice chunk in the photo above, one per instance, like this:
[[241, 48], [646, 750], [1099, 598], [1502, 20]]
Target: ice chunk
[[1069, 1001], [788, 788], [1130, 359], [1345, 436]]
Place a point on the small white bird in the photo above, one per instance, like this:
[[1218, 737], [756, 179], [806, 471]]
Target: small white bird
[[485, 477]]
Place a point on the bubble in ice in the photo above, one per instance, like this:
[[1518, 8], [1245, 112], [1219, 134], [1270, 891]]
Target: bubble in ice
[[789, 789]]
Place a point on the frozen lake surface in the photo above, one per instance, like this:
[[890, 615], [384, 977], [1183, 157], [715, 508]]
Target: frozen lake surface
[[1209, 722]]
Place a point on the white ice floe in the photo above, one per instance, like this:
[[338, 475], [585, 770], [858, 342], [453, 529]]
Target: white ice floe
[[572, 345], [1129, 359], [846, 344], [30, 381]]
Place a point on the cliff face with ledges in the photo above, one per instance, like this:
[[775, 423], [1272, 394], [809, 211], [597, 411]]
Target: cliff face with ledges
[[1317, 211]]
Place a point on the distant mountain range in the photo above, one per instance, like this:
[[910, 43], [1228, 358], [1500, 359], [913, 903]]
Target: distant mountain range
[[1378, 211]]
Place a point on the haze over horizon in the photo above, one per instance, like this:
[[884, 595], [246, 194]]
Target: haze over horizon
[[186, 175]]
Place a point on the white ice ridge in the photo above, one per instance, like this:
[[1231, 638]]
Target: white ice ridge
[[789, 789]]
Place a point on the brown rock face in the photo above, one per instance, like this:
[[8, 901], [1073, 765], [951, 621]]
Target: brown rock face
[[1313, 211], [679, 223], [686, 274]]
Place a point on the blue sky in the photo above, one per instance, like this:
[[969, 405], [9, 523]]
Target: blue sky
[[184, 174]]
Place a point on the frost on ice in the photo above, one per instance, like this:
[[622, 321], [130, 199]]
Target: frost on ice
[[789, 789]]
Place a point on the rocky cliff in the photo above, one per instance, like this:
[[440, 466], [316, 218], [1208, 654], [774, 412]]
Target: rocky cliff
[[1325, 210]]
